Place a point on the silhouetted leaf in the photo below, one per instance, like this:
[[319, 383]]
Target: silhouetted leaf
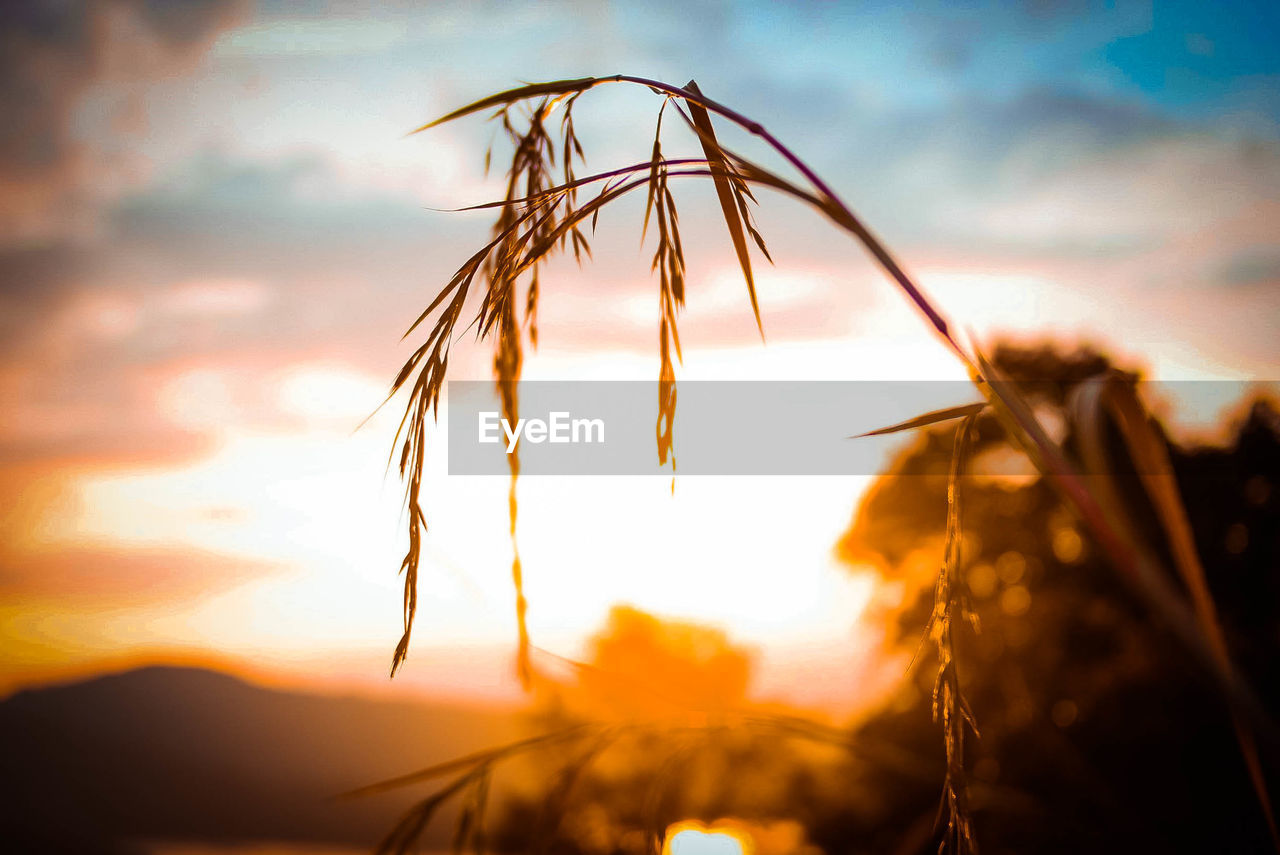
[[925, 420], [721, 173]]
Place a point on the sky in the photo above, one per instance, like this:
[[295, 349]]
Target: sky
[[214, 230]]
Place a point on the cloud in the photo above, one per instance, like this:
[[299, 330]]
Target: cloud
[[1049, 178], [246, 261], [38, 562], [74, 413], [283, 203], [141, 350], [106, 575], [1252, 266], [32, 281], [214, 297], [53, 57]]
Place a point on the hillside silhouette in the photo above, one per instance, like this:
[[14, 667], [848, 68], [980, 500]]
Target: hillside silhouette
[[182, 754]]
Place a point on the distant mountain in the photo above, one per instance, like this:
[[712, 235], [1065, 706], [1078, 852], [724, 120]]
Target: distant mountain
[[186, 754]]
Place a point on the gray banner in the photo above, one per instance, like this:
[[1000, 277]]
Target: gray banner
[[733, 427]]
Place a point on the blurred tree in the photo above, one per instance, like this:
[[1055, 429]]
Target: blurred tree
[[1097, 735], [643, 666]]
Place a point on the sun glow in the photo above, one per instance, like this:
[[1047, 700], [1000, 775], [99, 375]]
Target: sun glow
[[314, 506], [694, 838]]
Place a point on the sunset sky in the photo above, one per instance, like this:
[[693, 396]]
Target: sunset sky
[[214, 229]]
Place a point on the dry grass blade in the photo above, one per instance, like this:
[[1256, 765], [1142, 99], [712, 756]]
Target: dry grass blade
[[540, 248], [584, 743], [524, 202], [656, 163], [1136, 566], [1151, 459], [729, 192], [544, 223], [511, 96], [949, 704], [468, 834], [431, 361], [1118, 397], [529, 227], [668, 261], [556, 803], [468, 761], [659, 787], [925, 420], [828, 202], [405, 835]]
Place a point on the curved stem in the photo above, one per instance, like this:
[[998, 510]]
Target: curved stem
[[1143, 572], [844, 215]]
